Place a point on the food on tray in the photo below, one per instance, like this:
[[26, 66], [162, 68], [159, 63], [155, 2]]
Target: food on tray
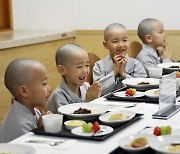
[[156, 93], [130, 92], [89, 127], [75, 123], [163, 130], [174, 147], [96, 127], [143, 83], [120, 116], [174, 66], [82, 111], [139, 142], [177, 74]]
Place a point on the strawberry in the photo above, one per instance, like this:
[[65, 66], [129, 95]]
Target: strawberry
[[96, 127], [157, 131], [129, 92]]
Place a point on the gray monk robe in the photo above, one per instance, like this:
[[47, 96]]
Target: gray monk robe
[[63, 95], [103, 72], [149, 57], [18, 121]]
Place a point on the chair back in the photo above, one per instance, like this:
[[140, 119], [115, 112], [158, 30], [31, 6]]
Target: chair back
[[135, 47], [92, 59]]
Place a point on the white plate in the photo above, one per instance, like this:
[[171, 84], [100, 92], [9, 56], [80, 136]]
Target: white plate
[[160, 143], [105, 117], [133, 82], [79, 131], [96, 110], [166, 66], [151, 94], [122, 94], [126, 141], [16, 148]]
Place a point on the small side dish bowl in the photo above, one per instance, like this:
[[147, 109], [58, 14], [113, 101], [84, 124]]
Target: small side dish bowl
[[70, 124]]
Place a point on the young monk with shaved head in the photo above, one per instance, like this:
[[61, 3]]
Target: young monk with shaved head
[[117, 65], [73, 64], [28, 83], [151, 32]]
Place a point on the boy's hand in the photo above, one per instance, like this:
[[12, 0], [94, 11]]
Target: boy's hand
[[94, 91], [166, 53], [122, 66], [40, 122], [116, 60]]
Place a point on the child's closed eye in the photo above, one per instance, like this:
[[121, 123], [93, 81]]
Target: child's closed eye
[[79, 66]]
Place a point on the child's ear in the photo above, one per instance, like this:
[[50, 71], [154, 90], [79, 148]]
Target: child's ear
[[148, 38], [61, 69], [23, 90], [105, 45]]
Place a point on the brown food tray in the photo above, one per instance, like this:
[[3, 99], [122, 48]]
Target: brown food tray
[[134, 99], [68, 134]]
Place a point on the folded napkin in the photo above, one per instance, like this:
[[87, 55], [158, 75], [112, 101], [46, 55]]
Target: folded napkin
[[64, 145]]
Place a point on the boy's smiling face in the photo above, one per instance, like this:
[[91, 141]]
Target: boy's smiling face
[[77, 69], [117, 42]]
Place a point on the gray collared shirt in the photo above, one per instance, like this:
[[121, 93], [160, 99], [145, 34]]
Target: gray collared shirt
[[18, 121], [149, 57], [103, 72], [63, 95]]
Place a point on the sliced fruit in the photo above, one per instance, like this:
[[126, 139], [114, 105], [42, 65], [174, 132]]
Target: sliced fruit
[[84, 127], [89, 127], [163, 130], [168, 130], [134, 91], [96, 127], [129, 92], [157, 131]]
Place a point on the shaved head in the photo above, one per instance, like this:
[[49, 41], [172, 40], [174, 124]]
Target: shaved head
[[110, 28], [19, 73], [65, 52], [146, 27]]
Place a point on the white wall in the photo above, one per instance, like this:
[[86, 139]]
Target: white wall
[[68, 15]]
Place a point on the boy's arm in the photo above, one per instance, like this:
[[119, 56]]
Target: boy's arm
[[108, 81], [139, 70], [135, 69]]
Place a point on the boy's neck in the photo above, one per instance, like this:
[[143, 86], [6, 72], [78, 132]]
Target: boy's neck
[[152, 46], [74, 88]]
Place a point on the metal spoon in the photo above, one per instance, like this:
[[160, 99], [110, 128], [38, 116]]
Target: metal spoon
[[51, 143]]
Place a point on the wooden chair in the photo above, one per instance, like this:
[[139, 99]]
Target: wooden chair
[[92, 59], [135, 48]]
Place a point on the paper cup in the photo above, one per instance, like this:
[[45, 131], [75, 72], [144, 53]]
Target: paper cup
[[155, 72], [52, 123]]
